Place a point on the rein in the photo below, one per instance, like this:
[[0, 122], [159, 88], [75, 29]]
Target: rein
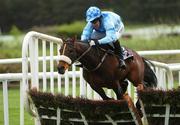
[[83, 54], [99, 64]]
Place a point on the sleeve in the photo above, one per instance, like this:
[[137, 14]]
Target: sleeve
[[110, 33], [87, 31]]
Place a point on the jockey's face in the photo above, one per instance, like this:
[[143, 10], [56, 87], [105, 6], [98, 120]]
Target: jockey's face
[[96, 23]]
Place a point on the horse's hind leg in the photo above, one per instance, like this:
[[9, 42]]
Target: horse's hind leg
[[138, 106]]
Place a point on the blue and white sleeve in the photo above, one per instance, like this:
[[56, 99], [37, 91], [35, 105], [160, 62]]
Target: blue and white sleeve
[[110, 33], [86, 34], [110, 37]]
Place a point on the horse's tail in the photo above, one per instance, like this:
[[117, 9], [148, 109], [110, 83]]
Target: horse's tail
[[150, 79]]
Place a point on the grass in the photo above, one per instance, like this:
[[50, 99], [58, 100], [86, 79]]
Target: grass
[[10, 49], [73, 28], [160, 43], [63, 30], [14, 108]]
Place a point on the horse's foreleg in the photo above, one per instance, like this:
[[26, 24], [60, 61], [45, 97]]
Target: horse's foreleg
[[124, 85], [118, 90], [101, 92]]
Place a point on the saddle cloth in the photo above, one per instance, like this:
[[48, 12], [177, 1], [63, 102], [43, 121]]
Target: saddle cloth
[[126, 54]]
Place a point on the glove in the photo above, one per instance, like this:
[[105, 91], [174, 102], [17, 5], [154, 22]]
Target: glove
[[93, 42]]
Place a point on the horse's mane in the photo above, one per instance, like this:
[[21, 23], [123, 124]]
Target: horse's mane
[[100, 49], [75, 40]]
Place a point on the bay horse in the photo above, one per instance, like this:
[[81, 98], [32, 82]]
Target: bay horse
[[100, 67]]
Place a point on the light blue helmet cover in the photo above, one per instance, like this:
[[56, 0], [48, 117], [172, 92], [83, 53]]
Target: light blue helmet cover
[[92, 13]]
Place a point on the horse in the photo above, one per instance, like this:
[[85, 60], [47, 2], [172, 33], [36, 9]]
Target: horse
[[101, 67]]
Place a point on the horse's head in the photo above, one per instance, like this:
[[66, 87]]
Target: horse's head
[[67, 55]]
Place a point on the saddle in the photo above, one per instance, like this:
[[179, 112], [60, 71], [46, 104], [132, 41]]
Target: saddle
[[126, 53], [109, 49]]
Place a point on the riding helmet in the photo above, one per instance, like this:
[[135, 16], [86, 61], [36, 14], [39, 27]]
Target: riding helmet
[[92, 13]]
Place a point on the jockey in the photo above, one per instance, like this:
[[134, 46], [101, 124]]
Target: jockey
[[104, 27]]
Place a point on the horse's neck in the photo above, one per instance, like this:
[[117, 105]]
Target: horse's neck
[[81, 46], [91, 58]]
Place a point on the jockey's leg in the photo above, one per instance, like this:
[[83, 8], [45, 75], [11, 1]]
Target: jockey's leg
[[119, 52]]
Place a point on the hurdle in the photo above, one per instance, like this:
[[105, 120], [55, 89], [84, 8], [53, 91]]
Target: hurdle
[[160, 107]]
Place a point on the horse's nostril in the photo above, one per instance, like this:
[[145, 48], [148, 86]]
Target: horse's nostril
[[61, 69]]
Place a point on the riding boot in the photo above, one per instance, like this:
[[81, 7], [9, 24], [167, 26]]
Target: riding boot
[[118, 51]]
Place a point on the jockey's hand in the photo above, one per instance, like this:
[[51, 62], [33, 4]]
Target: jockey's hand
[[93, 42]]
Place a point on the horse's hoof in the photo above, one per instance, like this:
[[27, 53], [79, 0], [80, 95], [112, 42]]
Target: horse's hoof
[[120, 98], [140, 87]]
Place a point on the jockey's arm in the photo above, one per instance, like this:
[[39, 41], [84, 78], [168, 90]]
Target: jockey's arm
[[110, 32], [86, 34], [110, 36]]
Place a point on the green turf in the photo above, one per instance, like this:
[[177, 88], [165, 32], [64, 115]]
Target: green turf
[[14, 108]]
